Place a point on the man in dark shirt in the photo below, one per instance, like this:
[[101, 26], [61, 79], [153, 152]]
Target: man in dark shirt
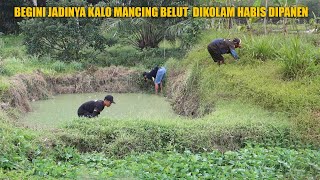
[[223, 46], [156, 75], [93, 108]]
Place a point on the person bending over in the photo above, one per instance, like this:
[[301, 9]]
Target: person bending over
[[92, 109], [223, 46], [156, 75]]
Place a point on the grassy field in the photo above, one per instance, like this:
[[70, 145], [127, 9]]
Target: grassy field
[[275, 72], [264, 123]]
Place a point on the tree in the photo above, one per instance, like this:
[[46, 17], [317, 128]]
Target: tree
[[265, 20], [149, 32], [64, 38], [8, 23], [284, 3]]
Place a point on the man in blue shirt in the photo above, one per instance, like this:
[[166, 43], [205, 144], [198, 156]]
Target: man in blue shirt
[[223, 46]]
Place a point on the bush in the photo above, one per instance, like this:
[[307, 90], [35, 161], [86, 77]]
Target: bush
[[59, 66], [298, 59], [62, 38], [12, 46], [11, 66], [129, 56], [76, 65], [262, 48], [121, 55]]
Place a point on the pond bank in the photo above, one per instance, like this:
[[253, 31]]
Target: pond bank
[[37, 86]]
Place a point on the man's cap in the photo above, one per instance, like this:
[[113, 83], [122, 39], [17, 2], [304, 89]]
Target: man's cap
[[236, 40], [109, 98]]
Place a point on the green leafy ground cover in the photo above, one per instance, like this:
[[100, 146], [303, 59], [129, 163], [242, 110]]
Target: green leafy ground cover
[[281, 143]]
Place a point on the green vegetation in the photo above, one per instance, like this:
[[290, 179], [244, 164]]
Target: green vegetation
[[283, 79], [66, 39], [270, 145], [124, 55], [14, 60], [257, 118], [27, 154], [220, 130]]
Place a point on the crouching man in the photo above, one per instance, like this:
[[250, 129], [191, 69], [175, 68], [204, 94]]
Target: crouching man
[[93, 108]]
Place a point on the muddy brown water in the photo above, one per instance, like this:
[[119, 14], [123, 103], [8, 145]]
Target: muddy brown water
[[57, 110]]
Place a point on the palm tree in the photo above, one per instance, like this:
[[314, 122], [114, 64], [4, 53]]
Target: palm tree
[[149, 32]]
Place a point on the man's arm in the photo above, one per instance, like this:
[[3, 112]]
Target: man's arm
[[232, 50], [234, 54], [95, 113]]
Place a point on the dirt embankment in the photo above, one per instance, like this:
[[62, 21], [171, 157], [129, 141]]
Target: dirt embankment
[[112, 79], [182, 89], [31, 87]]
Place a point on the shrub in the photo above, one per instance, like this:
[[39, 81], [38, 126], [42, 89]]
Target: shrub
[[298, 59], [262, 48], [11, 66], [63, 38], [59, 66], [11, 46], [120, 55], [76, 65]]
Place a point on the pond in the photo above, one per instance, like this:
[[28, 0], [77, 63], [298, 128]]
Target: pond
[[59, 109]]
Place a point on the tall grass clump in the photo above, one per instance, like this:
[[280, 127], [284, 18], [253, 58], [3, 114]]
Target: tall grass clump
[[4, 86], [11, 66], [12, 46], [59, 66], [74, 65], [262, 48], [298, 60]]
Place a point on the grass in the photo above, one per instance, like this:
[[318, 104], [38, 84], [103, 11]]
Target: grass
[[267, 119], [228, 128], [259, 77], [27, 154], [4, 86], [28, 64], [14, 60], [12, 46]]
